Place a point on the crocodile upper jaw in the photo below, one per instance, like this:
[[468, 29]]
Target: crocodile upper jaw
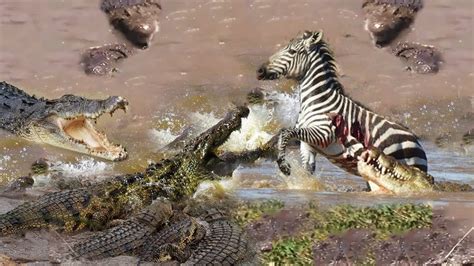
[[78, 133], [390, 175]]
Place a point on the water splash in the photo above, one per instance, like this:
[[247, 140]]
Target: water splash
[[4, 160], [280, 110], [83, 167], [162, 137], [254, 131], [300, 179], [215, 189], [83, 171]]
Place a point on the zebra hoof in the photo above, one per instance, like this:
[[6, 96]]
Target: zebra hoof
[[284, 166]]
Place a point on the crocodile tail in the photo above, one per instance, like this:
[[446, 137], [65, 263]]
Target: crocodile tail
[[57, 208]]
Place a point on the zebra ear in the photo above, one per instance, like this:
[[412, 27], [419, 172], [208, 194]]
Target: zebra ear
[[311, 39], [307, 34]]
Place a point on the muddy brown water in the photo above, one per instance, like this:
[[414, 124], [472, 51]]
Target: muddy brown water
[[205, 57]]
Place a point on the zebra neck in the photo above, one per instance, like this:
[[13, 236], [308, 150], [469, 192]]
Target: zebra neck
[[321, 77], [320, 84]]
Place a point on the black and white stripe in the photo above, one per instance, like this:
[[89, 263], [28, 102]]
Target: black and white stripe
[[309, 61]]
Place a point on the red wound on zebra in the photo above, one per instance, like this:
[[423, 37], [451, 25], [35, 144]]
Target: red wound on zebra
[[342, 130]]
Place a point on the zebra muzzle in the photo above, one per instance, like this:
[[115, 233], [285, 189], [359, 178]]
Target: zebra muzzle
[[261, 72]]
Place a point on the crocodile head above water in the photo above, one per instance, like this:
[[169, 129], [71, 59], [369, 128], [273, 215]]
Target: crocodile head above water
[[67, 122], [136, 19], [391, 175], [418, 58], [386, 19]]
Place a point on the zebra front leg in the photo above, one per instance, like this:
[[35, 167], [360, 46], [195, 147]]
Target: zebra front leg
[[321, 136]]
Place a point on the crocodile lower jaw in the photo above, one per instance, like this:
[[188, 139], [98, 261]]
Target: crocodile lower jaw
[[384, 171], [80, 131]]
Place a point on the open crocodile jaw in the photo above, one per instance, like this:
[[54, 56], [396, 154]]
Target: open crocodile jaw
[[371, 169], [390, 175], [81, 135]]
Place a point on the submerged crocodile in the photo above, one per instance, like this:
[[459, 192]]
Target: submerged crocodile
[[67, 122], [385, 19], [390, 175], [93, 207], [418, 58], [103, 60], [136, 19]]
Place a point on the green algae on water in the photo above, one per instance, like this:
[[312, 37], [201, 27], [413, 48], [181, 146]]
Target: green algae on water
[[249, 212], [382, 220]]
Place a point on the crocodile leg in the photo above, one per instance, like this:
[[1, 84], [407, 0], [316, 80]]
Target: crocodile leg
[[173, 241], [174, 252], [225, 244]]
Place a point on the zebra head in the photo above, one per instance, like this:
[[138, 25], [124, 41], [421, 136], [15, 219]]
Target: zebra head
[[292, 61]]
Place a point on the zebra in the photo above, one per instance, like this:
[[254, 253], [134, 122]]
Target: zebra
[[309, 60]]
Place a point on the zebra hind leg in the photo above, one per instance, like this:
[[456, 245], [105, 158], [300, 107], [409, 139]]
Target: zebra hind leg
[[308, 157]]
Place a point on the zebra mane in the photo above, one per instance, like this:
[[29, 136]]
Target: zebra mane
[[327, 56]]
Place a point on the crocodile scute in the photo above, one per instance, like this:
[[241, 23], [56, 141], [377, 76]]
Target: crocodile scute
[[225, 244], [58, 208], [127, 237]]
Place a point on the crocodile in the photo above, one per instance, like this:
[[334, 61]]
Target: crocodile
[[136, 19], [66, 122], [95, 206], [127, 237], [103, 60], [175, 241], [385, 19], [224, 244], [390, 175], [207, 236], [418, 58]]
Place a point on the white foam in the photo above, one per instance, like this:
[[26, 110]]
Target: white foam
[[252, 133], [83, 167], [4, 160], [162, 136], [214, 188]]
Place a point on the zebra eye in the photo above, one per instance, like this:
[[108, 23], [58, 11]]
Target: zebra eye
[[292, 51]]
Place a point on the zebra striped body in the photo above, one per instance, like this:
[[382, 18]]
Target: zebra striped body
[[308, 60]]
